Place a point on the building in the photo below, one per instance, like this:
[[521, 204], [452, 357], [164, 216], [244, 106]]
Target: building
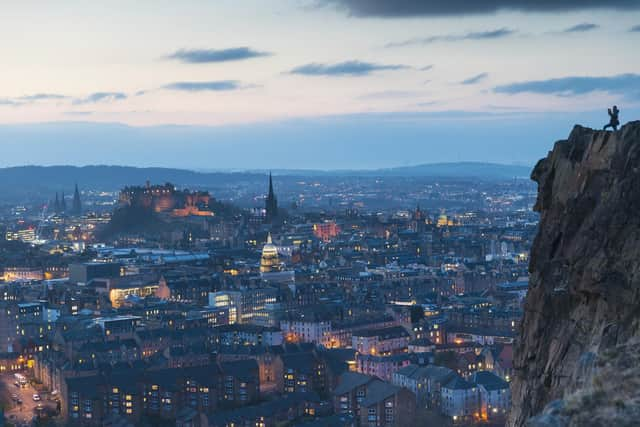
[[241, 382], [16, 274], [303, 372], [350, 392], [117, 327], [495, 396], [247, 305], [312, 331], [381, 366], [460, 400], [76, 206], [384, 341], [83, 273], [247, 334], [230, 300], [134, 393], [270, 204], [167, 199], [118, 289], [326, 231], [424, 382], [386, 405], [270, 261]]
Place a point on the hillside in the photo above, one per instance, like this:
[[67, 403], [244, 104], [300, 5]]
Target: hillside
[[577, 352]]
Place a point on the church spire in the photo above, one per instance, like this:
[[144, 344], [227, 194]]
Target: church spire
[[271, 195], [63, 204], [271, 203], [77, 204]]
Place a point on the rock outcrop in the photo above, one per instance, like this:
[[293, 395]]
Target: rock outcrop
[[582, 312]]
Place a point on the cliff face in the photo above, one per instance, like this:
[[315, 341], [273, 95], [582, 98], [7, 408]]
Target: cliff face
[[583, 306]]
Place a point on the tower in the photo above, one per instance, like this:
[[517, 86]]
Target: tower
[[63, 204], [271, 203], [76, 208], [56, 204]]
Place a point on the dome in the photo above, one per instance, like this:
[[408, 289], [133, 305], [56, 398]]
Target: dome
[[269, 250], [269, 261]]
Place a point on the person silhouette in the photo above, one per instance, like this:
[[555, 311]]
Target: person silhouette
[[613, 119]]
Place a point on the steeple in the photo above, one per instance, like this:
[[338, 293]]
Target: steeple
[[63, 204], [271, 203], [56, 204], [77, 205]]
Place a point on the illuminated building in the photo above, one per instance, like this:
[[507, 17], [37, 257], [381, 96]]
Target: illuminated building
[[495, 396], [385, 341], [167, 199], [326, 230], [246, 334], [119, 288], [460, 400], [444, 221], [12, 274], [24, 235], [270, 262], [231, 300], [317, 332], [382, 367], [271, 269]]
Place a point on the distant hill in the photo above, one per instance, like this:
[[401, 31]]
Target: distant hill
[[38, 179], [459, 170], [15, 181]]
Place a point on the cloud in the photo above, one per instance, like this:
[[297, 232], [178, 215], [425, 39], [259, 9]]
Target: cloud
[[426, 68], [389, 94], [42, 97], [205, 56], [622, 84], [582, 28], [218, 86], [10, 102], [473, 35], [30, 99], [347, 68], [409, 8], [427, 103], [475, 79], [100, 97], [635, 29], [78, 113]]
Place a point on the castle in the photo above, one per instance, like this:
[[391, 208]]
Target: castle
[[167, 199]]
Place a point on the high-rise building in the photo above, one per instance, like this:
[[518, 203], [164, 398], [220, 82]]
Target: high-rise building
[[271, 203]]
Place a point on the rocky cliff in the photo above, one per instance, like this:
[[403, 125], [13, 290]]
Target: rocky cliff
[[577, 353]]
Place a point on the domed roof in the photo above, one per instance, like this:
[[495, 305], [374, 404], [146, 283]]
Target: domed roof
[[269, 250]]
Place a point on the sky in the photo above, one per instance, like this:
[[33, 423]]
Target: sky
[[317, 84]]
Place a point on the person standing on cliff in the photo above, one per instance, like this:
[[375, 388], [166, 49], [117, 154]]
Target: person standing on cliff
[[613, 119]]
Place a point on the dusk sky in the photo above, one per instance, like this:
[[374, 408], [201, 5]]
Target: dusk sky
[[313, 84]]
